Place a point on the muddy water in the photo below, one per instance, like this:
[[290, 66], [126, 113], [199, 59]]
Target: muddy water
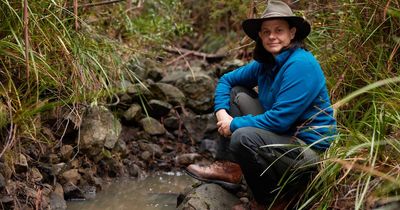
[[155, 192]]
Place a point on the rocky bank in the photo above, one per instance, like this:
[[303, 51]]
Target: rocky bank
[[162, 123]]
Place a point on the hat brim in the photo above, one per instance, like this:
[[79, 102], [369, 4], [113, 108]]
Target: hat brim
[[252, 26]]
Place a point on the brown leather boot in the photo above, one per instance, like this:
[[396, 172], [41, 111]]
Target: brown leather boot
[[218, 171]]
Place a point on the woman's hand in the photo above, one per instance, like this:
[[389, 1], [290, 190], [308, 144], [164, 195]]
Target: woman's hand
[[224, 122]]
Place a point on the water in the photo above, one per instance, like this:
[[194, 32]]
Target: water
[[156, 192]]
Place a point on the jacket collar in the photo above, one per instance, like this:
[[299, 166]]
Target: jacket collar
[[282, 57]]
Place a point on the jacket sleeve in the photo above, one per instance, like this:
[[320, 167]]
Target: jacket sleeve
[[245, 76], [301, 83]]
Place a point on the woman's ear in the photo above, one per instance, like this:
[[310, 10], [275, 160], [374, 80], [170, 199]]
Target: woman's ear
[[293, 32]]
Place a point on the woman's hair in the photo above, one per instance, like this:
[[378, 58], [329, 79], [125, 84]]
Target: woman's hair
[[261, 55]]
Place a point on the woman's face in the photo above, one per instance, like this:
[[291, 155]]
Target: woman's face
[[276, 35]]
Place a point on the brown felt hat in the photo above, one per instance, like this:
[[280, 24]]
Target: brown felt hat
[[277, 9]]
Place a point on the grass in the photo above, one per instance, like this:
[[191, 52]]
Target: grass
[[360, 168], [62, 66]]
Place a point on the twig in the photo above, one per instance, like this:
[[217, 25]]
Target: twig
[[76, 14], [26, 35], [178, 58], [191, 52], [386, 9]]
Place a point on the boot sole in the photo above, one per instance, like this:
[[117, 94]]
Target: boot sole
[[226, 185]]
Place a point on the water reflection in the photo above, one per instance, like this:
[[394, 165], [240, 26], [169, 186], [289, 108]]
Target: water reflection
[[157, 191]]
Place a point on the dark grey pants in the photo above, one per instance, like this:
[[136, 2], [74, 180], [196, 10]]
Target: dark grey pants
[[269, 162]]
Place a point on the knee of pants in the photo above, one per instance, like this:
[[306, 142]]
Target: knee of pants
[[239, 139]]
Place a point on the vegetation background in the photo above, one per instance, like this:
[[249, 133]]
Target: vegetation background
[[64, 53]]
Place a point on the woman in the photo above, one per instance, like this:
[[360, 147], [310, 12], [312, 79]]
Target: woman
[[279, 131]]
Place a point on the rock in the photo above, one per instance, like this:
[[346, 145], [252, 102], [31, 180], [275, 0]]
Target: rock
[[125, 99], [187, 159], [75, 163], [170, 93], [99, 129], [120, 147], [2, 182], [21, 164], [195, 125], [66, 152], [208, 196], [136, 90], [155, 74], [230, 66], [36, 175], [133, 113], [57, 201], [197, 87], [152, 126], [133, 170], [71, 176], [54, 159], [73, 192], [154, 149], [159, 108], [171, 123], [146, 155]]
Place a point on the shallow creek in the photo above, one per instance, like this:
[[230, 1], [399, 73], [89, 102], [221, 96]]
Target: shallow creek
[[158, 191]]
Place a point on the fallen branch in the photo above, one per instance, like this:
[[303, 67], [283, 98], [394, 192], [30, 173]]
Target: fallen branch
[[183, 51]]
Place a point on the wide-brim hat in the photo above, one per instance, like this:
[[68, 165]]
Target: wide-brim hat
[[277, 9]]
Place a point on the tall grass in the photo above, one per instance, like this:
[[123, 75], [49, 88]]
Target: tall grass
[[60, 65], [357, 44]]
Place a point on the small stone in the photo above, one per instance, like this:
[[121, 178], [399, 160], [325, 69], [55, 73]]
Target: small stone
[[21, 164], [66, 152], [159, 108], [121, 147], [36, 175], [71, 176], [133, 113], [154, 149], [53, 158], [74, 163], [146, 155], [73, 192], [155, 74], [125, 98], [171, 123], [152, 126], [133, 170]]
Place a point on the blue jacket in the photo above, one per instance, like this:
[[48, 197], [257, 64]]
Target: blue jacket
[[292, 91]]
